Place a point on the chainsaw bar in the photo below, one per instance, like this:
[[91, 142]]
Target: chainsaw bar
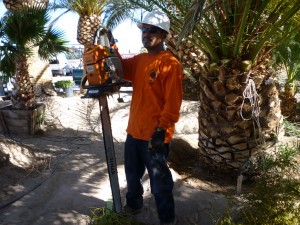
[[110, 153]]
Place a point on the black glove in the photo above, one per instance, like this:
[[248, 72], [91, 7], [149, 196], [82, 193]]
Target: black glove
[[157, 140]]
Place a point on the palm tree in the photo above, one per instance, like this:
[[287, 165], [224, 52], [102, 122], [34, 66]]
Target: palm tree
[[21, 32], [39, 69], [239, 113]]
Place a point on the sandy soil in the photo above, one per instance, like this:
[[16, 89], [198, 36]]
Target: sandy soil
[[58, 175]]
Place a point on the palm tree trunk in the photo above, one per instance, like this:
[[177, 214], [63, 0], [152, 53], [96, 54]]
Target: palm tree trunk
[[37, 68], [40, 72], [23, 96], [86, 28], [17, 4], [239, 115]]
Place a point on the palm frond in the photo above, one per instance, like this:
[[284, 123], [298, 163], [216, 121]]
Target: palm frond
[[7, 62], [52, 44], [18, 28], [82, 7], [288, 55], [117, 13], [232, 28], [2, 27], [241, 31], [191, 18], [286, 13]]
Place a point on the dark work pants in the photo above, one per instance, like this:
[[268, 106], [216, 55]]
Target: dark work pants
[[137, 159]]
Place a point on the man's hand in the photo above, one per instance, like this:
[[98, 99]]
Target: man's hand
[[157, 140]]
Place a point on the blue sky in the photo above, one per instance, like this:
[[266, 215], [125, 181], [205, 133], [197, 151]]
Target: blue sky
[[127, 33]]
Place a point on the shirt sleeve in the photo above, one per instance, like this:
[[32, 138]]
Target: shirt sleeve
[[172, 90]]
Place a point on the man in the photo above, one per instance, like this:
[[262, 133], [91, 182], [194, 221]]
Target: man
[[156, 78]]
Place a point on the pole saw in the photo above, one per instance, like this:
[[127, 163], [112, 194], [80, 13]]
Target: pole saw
[[103, 77]]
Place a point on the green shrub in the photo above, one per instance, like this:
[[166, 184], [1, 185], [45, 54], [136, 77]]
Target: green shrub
[[64, 83], [105, 216], [291, 129], [275, 196]]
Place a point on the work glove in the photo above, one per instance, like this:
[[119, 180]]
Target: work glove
[[156, 142]]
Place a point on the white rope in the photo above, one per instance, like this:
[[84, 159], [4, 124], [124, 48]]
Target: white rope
[[251, 95]]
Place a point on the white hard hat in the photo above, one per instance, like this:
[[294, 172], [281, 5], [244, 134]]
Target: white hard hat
[[156, 18]]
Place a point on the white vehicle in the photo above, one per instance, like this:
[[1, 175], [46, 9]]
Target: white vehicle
[[56, 68], [60, 66]]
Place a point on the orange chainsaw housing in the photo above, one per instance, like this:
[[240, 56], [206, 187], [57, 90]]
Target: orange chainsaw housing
[[101, 65]]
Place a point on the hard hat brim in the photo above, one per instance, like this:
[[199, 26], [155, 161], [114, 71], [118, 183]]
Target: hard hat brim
[[140, 25]]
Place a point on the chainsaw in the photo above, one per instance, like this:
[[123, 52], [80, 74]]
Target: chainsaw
[[102, 66], [103, 73]]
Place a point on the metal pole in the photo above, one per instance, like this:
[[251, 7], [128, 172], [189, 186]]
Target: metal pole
[[110, 153]]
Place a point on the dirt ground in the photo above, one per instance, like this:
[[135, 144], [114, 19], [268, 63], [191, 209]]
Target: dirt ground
[[58, 175]]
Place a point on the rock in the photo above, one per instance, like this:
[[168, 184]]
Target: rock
[[49, 91]]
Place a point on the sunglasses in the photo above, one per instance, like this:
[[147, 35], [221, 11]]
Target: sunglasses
[[151, 30]]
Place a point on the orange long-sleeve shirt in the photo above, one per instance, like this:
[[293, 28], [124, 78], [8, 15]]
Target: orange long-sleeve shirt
[[157, 93]]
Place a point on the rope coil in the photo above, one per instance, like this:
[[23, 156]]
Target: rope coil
[[251, 95]]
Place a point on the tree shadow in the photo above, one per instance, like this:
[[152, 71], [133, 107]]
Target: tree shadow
[[188, 163]]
